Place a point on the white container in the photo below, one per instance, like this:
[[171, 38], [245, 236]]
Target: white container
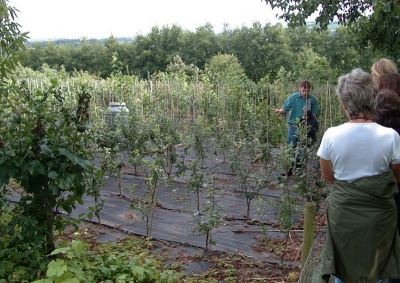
[[115, 108]]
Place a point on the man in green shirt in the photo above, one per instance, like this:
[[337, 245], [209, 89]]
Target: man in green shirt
[[301, 105]]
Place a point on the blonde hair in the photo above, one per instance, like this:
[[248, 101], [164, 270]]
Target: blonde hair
[[382, 67]]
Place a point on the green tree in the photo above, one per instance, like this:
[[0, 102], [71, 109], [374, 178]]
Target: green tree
[[260, 50], [381, 31], [346, 11], [224, 68], [201, 45], [154, 51], [45, 152], [11, 42], [32, 56], [313, 67], [376, 21]]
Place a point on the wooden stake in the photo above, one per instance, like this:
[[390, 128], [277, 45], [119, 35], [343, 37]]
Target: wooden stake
[[310, 211]]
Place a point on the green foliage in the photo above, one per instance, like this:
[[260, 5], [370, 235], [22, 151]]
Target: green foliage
[[224, 69], [196, 181], [288, 205], [380, 30], [211, 216], [113, 264], [376, 21], [154, 177], [297, 12], [112, 162], [11, 43], [182, 70], [45, 152], [249, 175], [260, 51], [20, 260], [313, 67], [310, 183]]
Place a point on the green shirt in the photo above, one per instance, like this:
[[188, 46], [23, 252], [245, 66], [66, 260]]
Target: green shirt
[[295, 103]]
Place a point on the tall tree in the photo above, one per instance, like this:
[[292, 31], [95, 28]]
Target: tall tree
[[261, 49], [156, 50], [380, 31], [376, 21], [201, 45], [346, 11], [11, 42]]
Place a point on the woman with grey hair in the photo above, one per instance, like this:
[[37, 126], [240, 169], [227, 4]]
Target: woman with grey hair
[[362, 161]]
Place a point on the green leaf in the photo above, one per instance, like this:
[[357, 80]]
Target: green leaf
[[75, 159], [52, 175], [45, 149], [61, 250], [78, 246], [43, 281], [54, 81], [388, 6], [67, 277], [35, 167], [56, 268]]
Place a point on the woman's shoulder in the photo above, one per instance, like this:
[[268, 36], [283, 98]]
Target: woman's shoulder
[[387, 130]]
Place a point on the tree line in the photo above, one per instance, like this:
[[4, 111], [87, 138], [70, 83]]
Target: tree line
[[262, 51]]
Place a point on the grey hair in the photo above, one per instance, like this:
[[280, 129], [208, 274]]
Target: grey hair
[[357, 91]]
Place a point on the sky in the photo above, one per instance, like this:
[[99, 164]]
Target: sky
[[75, 19]]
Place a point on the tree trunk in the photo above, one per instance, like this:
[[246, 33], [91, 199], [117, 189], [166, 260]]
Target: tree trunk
[[48, 207]]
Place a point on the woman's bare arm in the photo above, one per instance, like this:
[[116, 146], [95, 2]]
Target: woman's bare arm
[[396, 170], [327, 170]]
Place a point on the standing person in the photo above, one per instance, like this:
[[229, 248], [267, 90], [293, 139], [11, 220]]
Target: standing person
[[382, 67], [362, 160], [390, 81], [302, 105], [387, 114]]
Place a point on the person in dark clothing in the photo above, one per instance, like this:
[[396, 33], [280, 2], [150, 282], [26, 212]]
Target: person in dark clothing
[[390, 81], [387, 113]]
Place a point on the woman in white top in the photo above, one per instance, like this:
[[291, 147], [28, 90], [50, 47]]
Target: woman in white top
[[362, 161]]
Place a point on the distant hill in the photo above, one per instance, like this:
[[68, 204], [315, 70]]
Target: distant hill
[[77, 42]]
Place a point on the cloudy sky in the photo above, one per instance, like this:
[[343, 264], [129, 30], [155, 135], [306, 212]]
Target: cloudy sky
[[51, 19]]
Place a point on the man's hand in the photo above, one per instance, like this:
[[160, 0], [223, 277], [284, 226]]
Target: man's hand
[[279, 111]]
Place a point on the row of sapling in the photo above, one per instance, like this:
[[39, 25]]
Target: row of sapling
[[187, 99], [46, 137], [161, 134], [221, 143]]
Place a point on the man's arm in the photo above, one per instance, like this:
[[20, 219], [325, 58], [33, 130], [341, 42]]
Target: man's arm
[[279, 111]]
